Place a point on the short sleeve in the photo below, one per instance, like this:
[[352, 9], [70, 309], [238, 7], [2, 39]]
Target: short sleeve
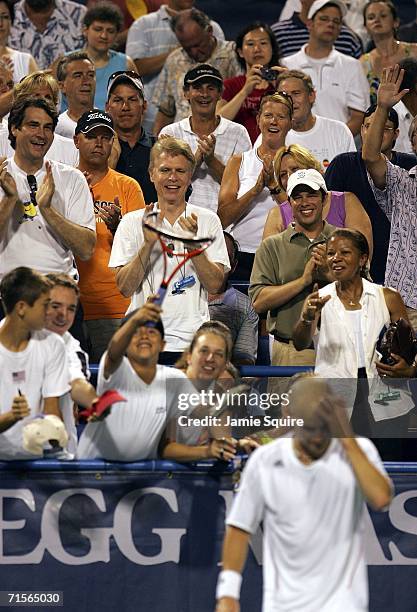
[[137, 45], [127, 241], [55, 382], [249, 504], [80, 206], [264, 271], [357, 94]]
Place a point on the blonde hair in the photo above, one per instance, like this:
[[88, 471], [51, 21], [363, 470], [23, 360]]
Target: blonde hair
[[171, 146], [302, 156], [279, 98], [40, 78]]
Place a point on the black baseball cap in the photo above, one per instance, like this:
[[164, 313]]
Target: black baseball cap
[[92, 119], [203, 71]]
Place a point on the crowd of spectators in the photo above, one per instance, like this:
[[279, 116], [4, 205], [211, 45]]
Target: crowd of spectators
[[270, 144]]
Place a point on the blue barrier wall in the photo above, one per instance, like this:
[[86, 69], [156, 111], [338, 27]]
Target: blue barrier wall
[[147, 536]]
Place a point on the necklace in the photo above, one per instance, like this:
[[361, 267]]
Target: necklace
[[351, 299]]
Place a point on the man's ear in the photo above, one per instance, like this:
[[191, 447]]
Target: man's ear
[[76, 140]]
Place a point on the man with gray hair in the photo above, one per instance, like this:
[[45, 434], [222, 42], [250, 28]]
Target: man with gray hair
[[198, 45], [76, 76]]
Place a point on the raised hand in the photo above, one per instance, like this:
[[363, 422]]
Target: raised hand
[[111, 215], [189, 223], [46, 190], [206, 145], [389, 92], [313, 304], [253, 79], [149, 236]]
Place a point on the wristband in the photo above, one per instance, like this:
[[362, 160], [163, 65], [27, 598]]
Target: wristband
[[307, 321], [228, 584]]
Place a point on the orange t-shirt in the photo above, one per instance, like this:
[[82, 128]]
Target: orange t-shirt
[[100, 296]]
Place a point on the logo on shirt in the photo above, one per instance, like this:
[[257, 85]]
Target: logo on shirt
[[29, 211], [19, 377], [98, 205], [160, 410]]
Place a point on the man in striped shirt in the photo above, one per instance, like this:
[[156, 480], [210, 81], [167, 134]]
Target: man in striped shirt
[[292, 34]]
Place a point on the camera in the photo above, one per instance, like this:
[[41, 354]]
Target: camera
[[269, 74]]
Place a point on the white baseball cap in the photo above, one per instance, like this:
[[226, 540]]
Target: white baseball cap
[[319, 4], [310, 178]]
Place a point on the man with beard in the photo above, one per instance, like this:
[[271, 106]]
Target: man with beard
[[47, 28]]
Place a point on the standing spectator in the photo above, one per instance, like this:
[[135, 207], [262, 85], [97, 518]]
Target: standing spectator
[[102, 22], [149, 42], [126, 104], [20, 63], [32, 361], [324, 137], [248, 187], [256, 51], [198, 45], [395, 192], [114, 195], [287, 264], [212, 138], [348, 172], [77, 80], [235, 310], [41, 85], [341, 86], [137, 254], [46, 212], [381, 21], [47, 28], [292, 33]]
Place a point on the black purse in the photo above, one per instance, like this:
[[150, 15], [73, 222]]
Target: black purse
[[399, 338]]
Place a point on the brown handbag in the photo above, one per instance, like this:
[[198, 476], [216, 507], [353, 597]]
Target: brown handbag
[[399, 339]]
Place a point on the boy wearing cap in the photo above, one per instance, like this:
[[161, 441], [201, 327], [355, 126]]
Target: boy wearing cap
[[340, 83], [114, 195], [133, 430], [212, 138], [288, 264], [46, 212], [126, 104]]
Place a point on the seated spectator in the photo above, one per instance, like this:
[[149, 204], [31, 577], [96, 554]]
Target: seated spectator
[[76, 76], [32, 361], [395, 192], [341, 86], [288, 264], [347, 172], [407, 106], [101, 24], [198, 45], [47, 28], [40, 85], [149, 42], [324, 137], [126, 104], [256, 51], [61, 314], [341, 209], [235, 310], [381, 21], [114, 195], [133, 429], [20, 63], [46, 211], [212, 138], [245, 194], [136, 253], [291, 32]]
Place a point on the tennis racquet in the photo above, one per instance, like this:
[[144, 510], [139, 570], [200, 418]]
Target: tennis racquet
[[179, 243]]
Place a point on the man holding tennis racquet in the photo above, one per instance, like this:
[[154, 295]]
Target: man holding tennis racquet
[[146, 259]]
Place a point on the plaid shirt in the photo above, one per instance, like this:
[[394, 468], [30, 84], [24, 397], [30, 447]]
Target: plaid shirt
[[399, 202]]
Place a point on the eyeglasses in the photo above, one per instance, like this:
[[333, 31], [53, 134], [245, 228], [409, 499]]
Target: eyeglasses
[[33, 186]]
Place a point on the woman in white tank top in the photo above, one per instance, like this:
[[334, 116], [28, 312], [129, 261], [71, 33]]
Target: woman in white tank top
[[345, 319], [246, 192], [19, 63]]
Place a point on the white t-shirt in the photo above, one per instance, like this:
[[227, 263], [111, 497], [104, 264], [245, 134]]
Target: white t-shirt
[[183, 313], [20, 64], [61, 150], [133, 429], [28, 239], [339, 81], [313, 527], [77, 360], [40, 371], [65, 126], [405, 118], [231, 139]]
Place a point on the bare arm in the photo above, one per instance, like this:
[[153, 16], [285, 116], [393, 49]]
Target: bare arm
[[161, 120], [19, 410], [33, 66], [357, 218], [355, 121], [130, 64], [307, 324], [388, 95], [51, 406], [83, 392], [183, 452], [235, 550], [274, 224], [229, 109], [151, 65]]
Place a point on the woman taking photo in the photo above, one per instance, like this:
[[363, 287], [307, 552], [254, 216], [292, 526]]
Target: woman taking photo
[[257, 53], [341, 209], [345, 319], [381, 22], [248, 185]]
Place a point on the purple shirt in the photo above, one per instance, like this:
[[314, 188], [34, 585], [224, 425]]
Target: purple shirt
[[336, 215]]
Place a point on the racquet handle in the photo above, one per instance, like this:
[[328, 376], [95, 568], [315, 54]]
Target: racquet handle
[[161, 294]]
